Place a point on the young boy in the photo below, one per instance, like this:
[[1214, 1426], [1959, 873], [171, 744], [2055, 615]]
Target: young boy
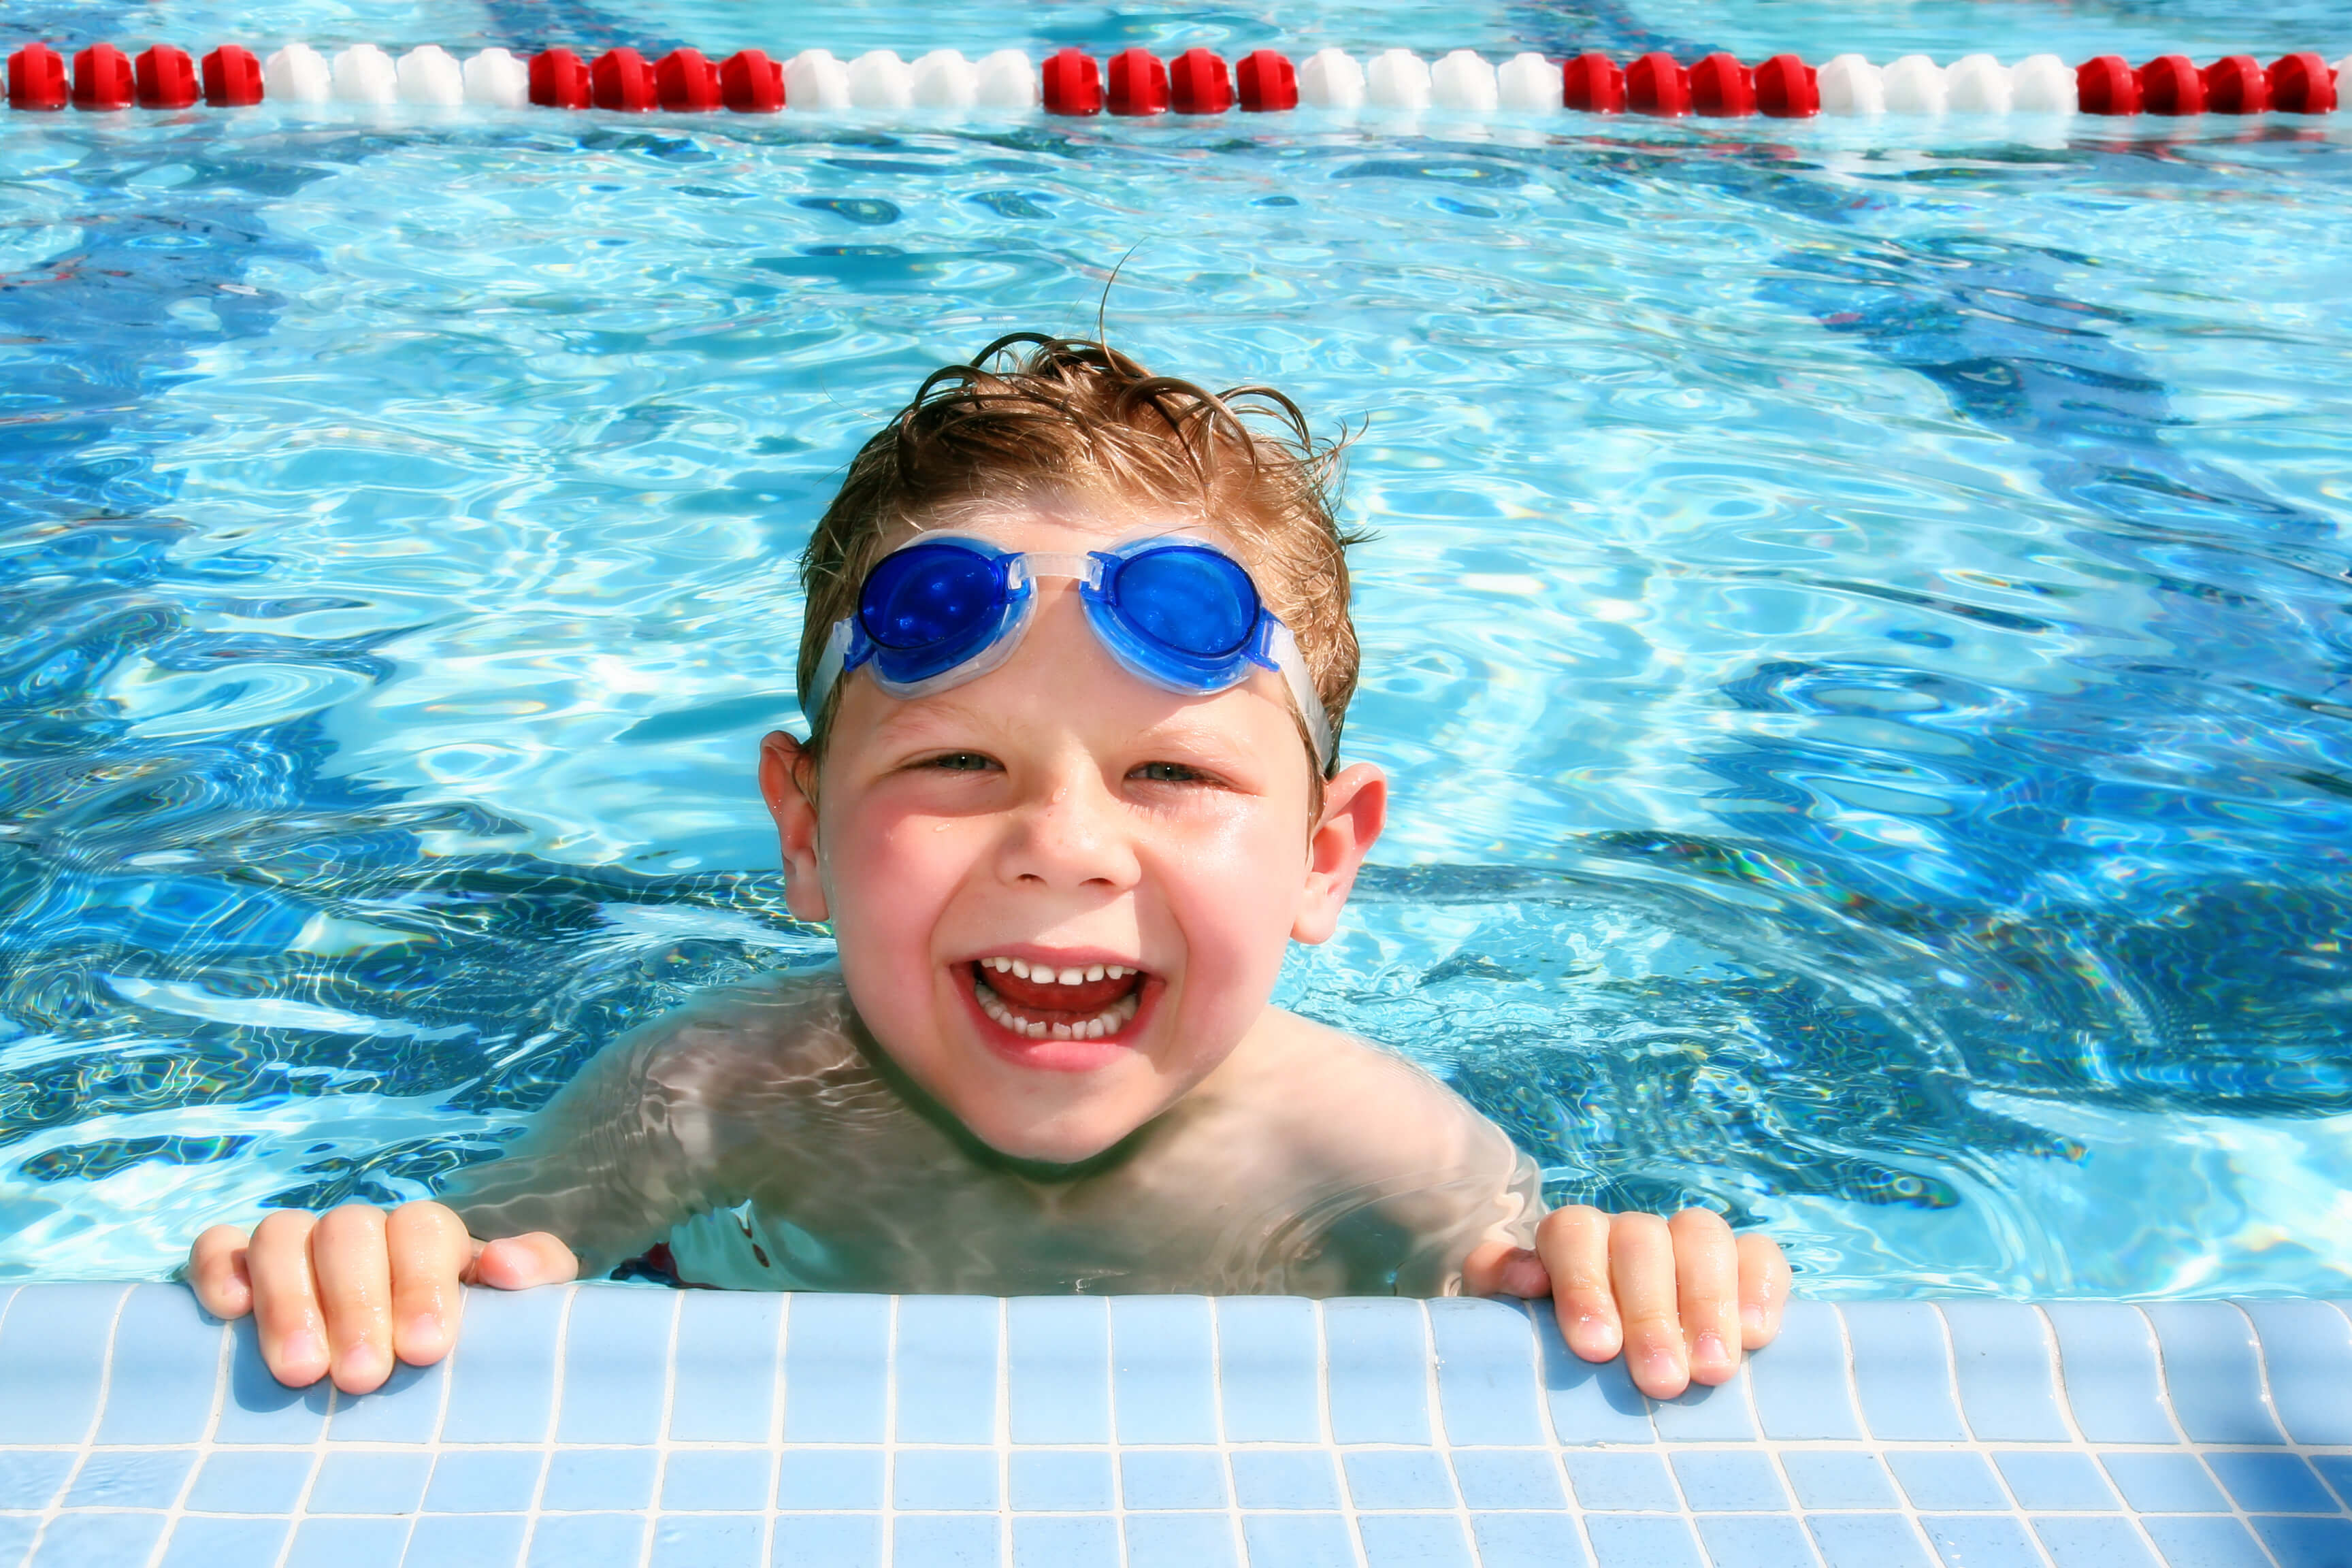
[[1076, 653]]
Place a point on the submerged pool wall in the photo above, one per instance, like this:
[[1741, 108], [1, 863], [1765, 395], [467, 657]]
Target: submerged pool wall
[[607, 1425]]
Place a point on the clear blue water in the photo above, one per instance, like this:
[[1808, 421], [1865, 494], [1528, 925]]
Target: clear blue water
[[1860, 625]]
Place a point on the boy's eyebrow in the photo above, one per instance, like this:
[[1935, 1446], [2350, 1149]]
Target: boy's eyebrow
[[908, 723]]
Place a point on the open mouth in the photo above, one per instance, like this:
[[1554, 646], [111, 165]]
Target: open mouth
[[1043, 1002]]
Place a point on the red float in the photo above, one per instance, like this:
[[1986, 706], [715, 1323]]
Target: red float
[[1654, 84], [1197, 84], [686, 80], [36, 79], [103, 78], [1592, 83], [1073, 84], [2302, 84], [1266, 81], [231, 77], [2171, 84], [2236, 85], [1139, 83], [559, 80], [752, 83], [1788, 89], [1722, 88], [2106, 86], [623, 80], [166, 77]]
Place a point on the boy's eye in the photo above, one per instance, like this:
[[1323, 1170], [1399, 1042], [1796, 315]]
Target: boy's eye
[[962, 762], [1168, 772]]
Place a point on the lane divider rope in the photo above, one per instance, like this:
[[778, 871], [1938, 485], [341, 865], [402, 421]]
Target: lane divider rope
[[1136, 82]]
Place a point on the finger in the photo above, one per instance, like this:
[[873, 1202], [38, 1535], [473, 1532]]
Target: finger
[[1706, 1293], [1642, 1272], [216, 1272], [429, 1251], [285, 1298], [354, 1274], [524, 1263], [1763, 1289], [1573, 1244], [1498, 1269]]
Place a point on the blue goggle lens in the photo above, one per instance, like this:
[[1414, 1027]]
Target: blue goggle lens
[[923, 597], [1195, 602]]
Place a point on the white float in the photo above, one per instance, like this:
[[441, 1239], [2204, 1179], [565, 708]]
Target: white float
[[944, 79], [1851, 85], [1915, 85], [298, 74], [815, 80], [878, 79], [496, 79], [2043, 84], [1331, 79], [364, 74], [1463, 82], [1529, 84], [1977, 84], [1005, 79], [431, 76], [1397, 79]]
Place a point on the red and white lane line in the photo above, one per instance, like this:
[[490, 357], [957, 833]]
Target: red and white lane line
[[1136, 82]]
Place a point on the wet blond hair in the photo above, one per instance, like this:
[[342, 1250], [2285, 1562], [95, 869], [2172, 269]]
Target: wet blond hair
[[1073, 419]]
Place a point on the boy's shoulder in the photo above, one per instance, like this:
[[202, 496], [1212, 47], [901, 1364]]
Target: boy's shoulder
[[785, 1026]]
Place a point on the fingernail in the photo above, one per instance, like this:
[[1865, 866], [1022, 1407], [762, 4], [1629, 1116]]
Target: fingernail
[[1664, 1365], [1710, 1349], [302, 1348], [423, 1328], [1751, 1318]]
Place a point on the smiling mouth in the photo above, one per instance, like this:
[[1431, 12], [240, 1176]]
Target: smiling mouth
[[1090, 1002]]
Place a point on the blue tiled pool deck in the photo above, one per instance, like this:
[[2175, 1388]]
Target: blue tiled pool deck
[[604, 1424]]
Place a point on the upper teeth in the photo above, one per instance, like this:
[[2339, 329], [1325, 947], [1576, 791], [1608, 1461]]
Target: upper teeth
[[1047, 974]]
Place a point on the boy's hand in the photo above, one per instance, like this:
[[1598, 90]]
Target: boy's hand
[[347, 1290], [1681, 1297]]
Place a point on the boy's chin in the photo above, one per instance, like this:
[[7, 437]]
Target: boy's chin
[[1056, 1140]]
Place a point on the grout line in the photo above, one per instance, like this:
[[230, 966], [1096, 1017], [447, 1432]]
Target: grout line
[[534, 1511], [889, 1436], [89, 1438], [1977, 1445], [302, 1508], [662, 1446], [2196, 1449], [1873, 1443], [2063, 1399]]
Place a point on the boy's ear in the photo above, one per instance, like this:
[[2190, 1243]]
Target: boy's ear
[[787, 779], [1355, 807]]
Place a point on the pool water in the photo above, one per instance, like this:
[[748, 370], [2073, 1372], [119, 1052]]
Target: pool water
[[1859, 627]]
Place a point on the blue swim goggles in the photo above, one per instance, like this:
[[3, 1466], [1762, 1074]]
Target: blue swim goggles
[[1176, 610]]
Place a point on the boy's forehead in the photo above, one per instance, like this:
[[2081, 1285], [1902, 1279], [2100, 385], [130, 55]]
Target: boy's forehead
[[1055, 522]]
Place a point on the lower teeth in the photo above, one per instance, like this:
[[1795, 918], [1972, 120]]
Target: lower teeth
[[1110, 1021]]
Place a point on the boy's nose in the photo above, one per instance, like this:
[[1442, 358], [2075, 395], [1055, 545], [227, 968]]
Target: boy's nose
[[1069, 836]]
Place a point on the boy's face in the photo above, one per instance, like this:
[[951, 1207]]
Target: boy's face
[[1060, 815]]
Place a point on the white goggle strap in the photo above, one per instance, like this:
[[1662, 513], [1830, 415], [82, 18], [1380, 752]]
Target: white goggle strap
[[1292, 665], [828, 669]]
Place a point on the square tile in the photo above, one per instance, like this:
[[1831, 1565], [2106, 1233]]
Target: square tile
[[210, 1543], [2204, 1542], [2165, 1483], [484, 1481], [1829, 1478], [1172, 1479], [16, 1530], [1804, 1388], [2050, 1480], [502, 1374], [1980, 1541], [588, 1540], [1589, 1402], [1163, 1373], [1061, 1481], [1704, 1414], [1397, 1479], [723, 1369], [1050, 1543], [465, 1540], [1057, 1364], [949, 1348], [717, 1480], [2114, 1384], [370, 1482], [1377, 1370], [1903, 1371], [1613, 1482], [1526, 1541], [30, 1478], [2337, 1468], [813, 1479], [834, 1540], [599, 1481], [945, 1541], [1415, 1540], [1509, 1478], [90, 1539], [53, 1347], [1284, 1478], [1868, 1540], [1628, 1541], [165, 1362], [1940, 1482], [2271, 1483], [836, 1368], [1756, 1540], [2007, 1371], [2093, 1542], [2307, 1542], [2308, 1359], [1486, 1378], [132, 1478], [616, 1363], [348, 1544], [957, 1479], [406, 1409], [709, 1540], [1728, 1480], [1180, 1540], [1270, 1359], [231, 1481], [1298, 1540]]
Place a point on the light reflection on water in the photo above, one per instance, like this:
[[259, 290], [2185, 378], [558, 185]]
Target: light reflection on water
[[1859, 635]]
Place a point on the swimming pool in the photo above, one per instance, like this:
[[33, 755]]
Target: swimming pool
[[1858, 626]]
